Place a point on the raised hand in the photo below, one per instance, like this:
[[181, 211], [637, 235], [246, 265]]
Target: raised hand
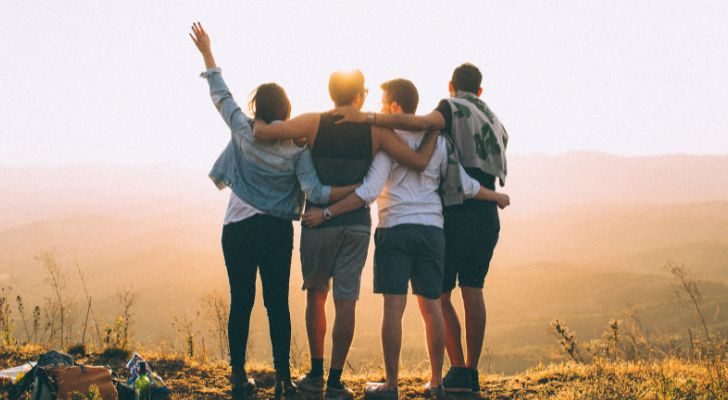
[[350, 114], [200, 38], [313, 217]]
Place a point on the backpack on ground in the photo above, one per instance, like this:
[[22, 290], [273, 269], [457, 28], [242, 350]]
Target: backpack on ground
[[29, 380], [62, 382], [57, 376]]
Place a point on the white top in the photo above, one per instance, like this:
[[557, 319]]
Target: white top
[[239, 210], [410, 197]]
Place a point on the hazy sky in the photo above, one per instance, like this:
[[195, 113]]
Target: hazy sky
[[116, 82]]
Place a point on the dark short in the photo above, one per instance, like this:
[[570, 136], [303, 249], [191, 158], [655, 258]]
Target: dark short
[[409, 252], [471, 234]]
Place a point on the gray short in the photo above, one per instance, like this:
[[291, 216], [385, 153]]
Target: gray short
[[337, 252]]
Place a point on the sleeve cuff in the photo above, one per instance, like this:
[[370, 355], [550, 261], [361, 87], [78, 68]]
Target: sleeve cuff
[[210, 71], [326, 194], [471, 187], [361, 192]]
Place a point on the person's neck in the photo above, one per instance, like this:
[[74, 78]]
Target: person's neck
[[463, 93], [347, 105]]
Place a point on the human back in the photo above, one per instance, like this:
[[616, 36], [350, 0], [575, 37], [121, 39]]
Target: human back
[[411, 196], [267, 175], [342, 155]]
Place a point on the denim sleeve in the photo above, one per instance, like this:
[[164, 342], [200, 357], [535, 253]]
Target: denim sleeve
[[231, 113], [376, 178], [309, 180]]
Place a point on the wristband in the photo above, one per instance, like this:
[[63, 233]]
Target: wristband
[[327, 214]]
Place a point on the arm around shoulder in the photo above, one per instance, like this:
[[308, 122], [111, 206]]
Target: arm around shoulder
[[433, 121], [390, 143], [304, 125]]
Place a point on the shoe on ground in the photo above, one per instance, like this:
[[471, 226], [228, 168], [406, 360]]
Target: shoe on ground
[[379, 391], [310, 383], [285, 389], [243, 389], [435, 393], [458, 380], [336, 393], [476, 380]]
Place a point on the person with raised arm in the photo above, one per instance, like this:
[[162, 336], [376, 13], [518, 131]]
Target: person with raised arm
[[334, 254], [268, 180], [471, 227]]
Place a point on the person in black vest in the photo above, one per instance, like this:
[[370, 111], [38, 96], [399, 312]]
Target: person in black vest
[[472, 227], [337, 250]]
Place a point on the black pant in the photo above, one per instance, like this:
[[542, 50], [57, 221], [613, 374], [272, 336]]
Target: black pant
[[266, 242]]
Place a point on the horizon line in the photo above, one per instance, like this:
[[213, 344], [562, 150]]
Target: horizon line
[[167, 164]]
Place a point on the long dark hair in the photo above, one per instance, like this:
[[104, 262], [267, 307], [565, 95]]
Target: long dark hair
[[270, 103]]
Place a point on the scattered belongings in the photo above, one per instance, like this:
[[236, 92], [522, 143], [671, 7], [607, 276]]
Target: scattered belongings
[[56, 376], [12, 375], [143, 383]]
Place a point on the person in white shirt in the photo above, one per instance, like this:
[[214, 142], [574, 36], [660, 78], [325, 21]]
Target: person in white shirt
[[410, 241]]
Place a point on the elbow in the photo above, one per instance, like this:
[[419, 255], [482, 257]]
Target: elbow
[[421, 165], [363, 201]]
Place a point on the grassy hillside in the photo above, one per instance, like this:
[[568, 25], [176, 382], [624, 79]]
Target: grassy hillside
[[191, 379]]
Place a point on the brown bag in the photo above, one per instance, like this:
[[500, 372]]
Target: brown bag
[[68, 380]]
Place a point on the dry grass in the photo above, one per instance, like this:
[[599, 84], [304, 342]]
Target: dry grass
[[666, 379]]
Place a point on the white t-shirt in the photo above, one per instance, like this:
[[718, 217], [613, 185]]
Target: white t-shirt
[[407, 196], [239, 210]]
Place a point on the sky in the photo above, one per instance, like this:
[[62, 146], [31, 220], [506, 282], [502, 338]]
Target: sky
[[89, 82]]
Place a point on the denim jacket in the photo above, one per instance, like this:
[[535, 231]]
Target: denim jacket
[[272, 176]]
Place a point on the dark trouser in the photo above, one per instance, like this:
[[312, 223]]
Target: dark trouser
[[266, 242]]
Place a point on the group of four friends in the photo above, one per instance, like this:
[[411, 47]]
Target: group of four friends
[[433, 177]]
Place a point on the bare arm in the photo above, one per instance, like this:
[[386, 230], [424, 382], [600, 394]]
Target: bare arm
[[350, 203], [303, 126], [501, 199], [369, 190], [433, 121], [223, 100], [315, 216], [339, 192], [395, 147]]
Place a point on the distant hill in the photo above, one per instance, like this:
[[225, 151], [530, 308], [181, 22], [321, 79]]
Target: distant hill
[[536, 183], [541, 182]]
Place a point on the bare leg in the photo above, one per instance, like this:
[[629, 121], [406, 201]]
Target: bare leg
[[452, 332], [394, 306], [474, 323], [435, 331], [316, 321], [343, 331]]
